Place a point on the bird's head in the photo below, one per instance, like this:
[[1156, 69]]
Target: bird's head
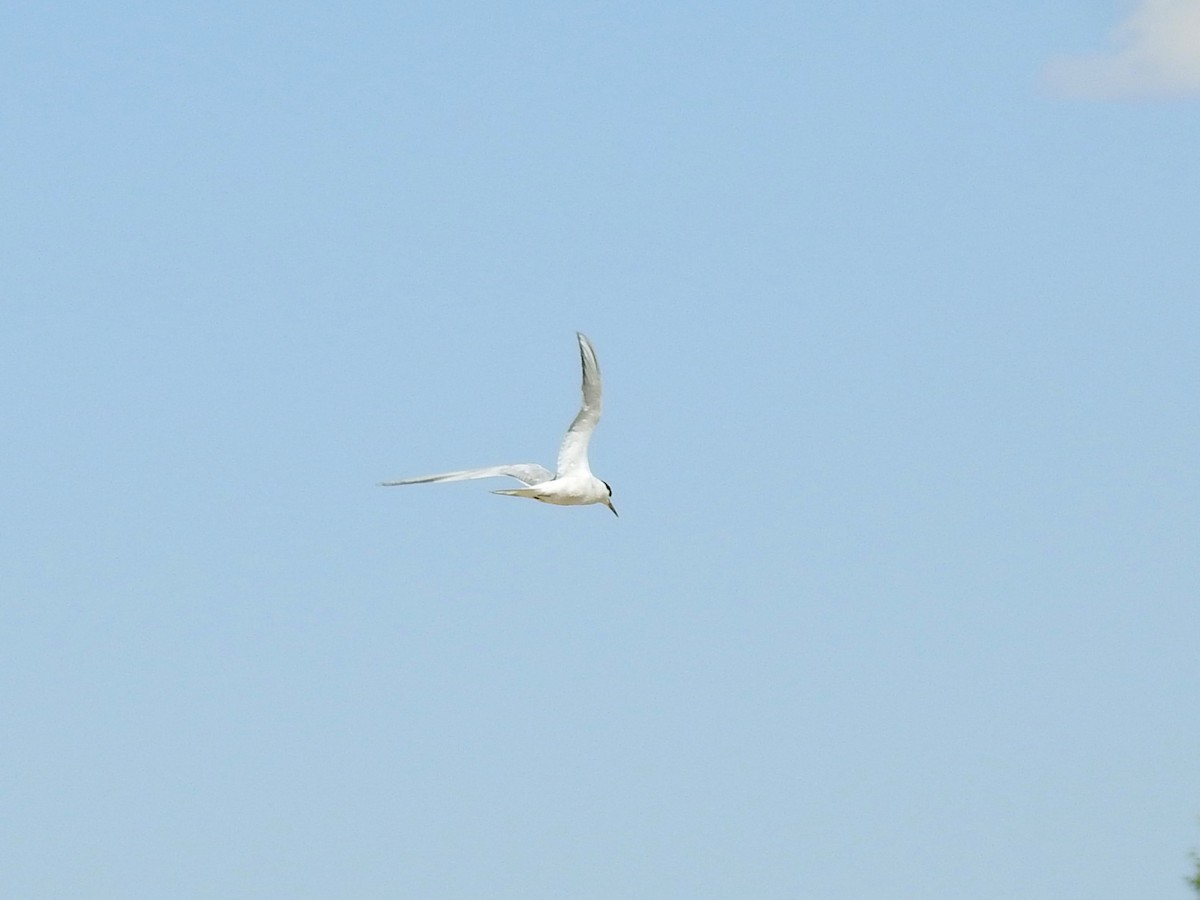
[[607, 501]]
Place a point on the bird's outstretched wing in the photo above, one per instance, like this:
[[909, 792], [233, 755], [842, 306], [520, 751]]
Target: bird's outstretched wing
[[529, 473], [572, 455]]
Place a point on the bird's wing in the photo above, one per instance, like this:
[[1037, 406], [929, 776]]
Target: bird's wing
[[572, 455], [529, 473]]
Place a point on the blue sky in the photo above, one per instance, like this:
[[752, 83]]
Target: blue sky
[[896, 309]]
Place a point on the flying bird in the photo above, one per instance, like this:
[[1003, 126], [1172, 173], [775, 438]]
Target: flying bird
[[573, 484]]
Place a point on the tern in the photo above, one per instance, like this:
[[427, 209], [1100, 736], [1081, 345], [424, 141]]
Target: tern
[[573, 484]]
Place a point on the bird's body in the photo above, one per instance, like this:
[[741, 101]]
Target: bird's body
[[573, 484], [574, 490]]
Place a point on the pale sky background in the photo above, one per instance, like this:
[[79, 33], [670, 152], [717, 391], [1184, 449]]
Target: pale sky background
[[1153, 52], [898, 325]]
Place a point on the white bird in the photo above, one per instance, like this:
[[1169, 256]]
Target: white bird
[[573, 484]]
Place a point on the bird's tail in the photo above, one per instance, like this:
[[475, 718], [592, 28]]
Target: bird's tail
[[518, 492]]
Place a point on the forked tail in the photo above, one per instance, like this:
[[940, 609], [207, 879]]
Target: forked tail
[[519, 492]]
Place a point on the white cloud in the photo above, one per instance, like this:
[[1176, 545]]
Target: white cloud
[[1156, 53]]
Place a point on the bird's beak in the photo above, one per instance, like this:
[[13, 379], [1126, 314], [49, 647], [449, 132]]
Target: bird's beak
[[608, 503]]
